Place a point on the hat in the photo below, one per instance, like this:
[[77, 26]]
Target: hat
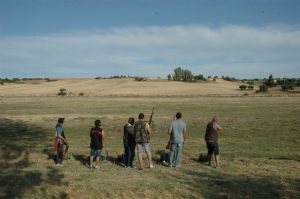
[[61, 117]]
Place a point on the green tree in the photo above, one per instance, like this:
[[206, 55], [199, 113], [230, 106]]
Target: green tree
[[177, 74], [187, 75], [169, 77], [263, 88], [270, 82], [200, 77]]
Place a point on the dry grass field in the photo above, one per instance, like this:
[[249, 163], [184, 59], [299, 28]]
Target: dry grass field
[[259, 148], [121, 87]]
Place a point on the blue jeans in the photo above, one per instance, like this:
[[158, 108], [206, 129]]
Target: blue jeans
[[175, 150], [96, 152]]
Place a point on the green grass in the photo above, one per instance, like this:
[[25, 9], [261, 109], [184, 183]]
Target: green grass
[[260, 153]]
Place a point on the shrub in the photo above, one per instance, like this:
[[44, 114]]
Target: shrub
[[232, 79], [62, 92], [287, 87], [200, 77], [140, 79], [243, 87], [169, 77], [250, 87], [263, 88], [81, 94]]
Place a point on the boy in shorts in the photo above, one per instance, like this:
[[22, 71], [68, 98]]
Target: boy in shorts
[[96, 134]]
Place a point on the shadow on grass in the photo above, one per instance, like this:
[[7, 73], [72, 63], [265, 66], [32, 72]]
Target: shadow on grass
[[219, 185], [116, 160], [83, 159], [17, 170]]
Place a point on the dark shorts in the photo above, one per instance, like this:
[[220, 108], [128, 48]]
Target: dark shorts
[[213, 147]]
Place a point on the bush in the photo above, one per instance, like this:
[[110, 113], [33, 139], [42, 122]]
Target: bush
[[263, 88], [81, 94], [287, 87], [62, 92], [140, 79], [169, 77], [250, 87], [232, 79], [243, 87], [200, 77]]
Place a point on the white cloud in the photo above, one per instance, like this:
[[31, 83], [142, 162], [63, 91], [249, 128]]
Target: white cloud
[[240, 51]]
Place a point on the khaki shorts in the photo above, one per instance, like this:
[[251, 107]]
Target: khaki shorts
[[143, 147]]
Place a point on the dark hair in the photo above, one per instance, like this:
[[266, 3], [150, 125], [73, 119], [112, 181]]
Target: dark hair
[[178, 115], [97, 122], [131, 120], [61, 120], [141, 116]]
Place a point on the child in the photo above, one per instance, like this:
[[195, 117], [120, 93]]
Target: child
[[97, 135]]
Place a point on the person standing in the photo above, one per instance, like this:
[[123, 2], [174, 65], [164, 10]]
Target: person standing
[[142, 132], [96, 134], [129, 142], [211, 139], [178, 135], [60, 141]]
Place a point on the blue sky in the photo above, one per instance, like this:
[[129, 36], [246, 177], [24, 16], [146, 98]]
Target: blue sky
[[89, 38]]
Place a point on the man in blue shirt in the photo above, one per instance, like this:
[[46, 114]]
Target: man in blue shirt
[[178, 134], [60, 141]]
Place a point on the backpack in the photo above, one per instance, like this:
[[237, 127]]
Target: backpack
[[128, 136], [141, 135]]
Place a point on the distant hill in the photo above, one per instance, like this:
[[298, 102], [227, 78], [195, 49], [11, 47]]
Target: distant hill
[[121, 87]]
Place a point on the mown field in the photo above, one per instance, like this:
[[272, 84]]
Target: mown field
[[260, 153]]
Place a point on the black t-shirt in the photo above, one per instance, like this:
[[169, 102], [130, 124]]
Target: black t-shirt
[[96, 138]]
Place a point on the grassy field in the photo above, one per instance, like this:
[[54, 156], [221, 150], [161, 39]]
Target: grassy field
[[260, 153], [121, 87]]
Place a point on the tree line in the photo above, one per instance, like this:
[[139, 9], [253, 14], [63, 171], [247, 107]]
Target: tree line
[[186, 75]]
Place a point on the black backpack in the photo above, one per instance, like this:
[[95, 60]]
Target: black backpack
[[141, 135]]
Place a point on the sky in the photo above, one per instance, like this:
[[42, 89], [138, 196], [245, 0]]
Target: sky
[[92, 38]]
